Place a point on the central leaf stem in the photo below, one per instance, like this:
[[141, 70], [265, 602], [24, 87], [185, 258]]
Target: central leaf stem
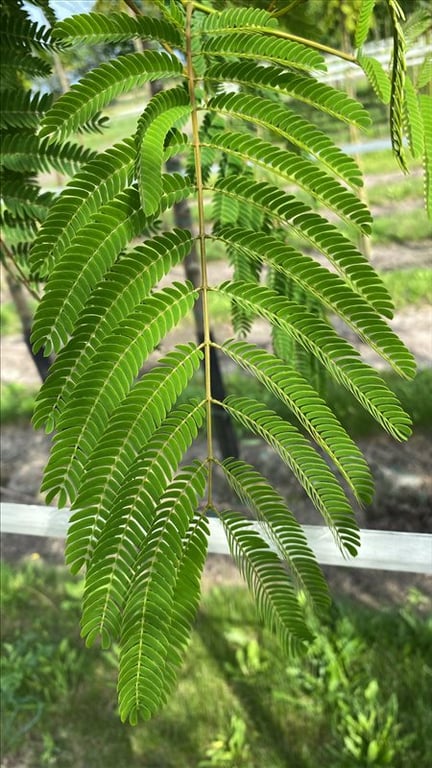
[[202, 249]]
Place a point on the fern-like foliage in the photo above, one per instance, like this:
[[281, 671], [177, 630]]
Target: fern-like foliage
[[396, 87], [139, 527], [26, 51]]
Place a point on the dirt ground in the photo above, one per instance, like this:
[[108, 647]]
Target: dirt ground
[[403, 473]]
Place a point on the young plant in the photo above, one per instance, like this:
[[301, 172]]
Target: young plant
[[139, 526]]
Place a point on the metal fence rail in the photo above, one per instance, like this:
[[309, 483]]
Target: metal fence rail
[[380, 550]]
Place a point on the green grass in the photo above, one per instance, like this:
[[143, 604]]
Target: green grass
[[17, 402], [409, 286], [402, 226], [384, 161], [408, 188], [9, 320], [239, 703], [120, 127]]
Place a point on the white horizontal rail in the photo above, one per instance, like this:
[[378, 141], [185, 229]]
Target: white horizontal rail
[[380, 550], [339, 69]]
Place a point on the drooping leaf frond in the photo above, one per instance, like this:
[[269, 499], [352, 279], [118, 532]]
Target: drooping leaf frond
[[96, 28], [126, 285], [378, 78], [142, 487], [286, 124], [309, 408], [255, 47], [364, 22], [413, 122], [282, 527], [95, 185], [305, 89], [144, 656], [26, 200], [307, 466], [268, 581], [397, 83], [425, 103], [24, 64], [131, 426], [88, 259], [418, 22], [329, 288], [106, 381], [164, 111], [101, 86], [29, 154], [22, 34], [295, 169], [23, 109], [289, 211], [424, 76], [341, 360]]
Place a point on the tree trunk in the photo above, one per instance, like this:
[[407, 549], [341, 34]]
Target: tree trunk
[[225, 434], [22, 307]]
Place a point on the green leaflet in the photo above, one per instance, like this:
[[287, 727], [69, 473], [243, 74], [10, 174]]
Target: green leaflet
[[23, 109], [107, 380], [306, 464], [364, 22], [338, 357], [281, 526], [164, 111], [319, 95], [96, 28], [309, 408], [247, 45], [237, 18], [426, 113], [82, 266], [26, 200], [398, 73], [377, 77], [29, 153], [126, 285], [268, 581], [145, 641], [143, 483], [285, 123], [413, 123], [329, 288], [293, 168], [101, 86], [95, 185], [286, 209]]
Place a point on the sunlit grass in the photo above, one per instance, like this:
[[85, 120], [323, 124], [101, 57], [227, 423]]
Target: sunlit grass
[[237, 694], [409, 286]]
